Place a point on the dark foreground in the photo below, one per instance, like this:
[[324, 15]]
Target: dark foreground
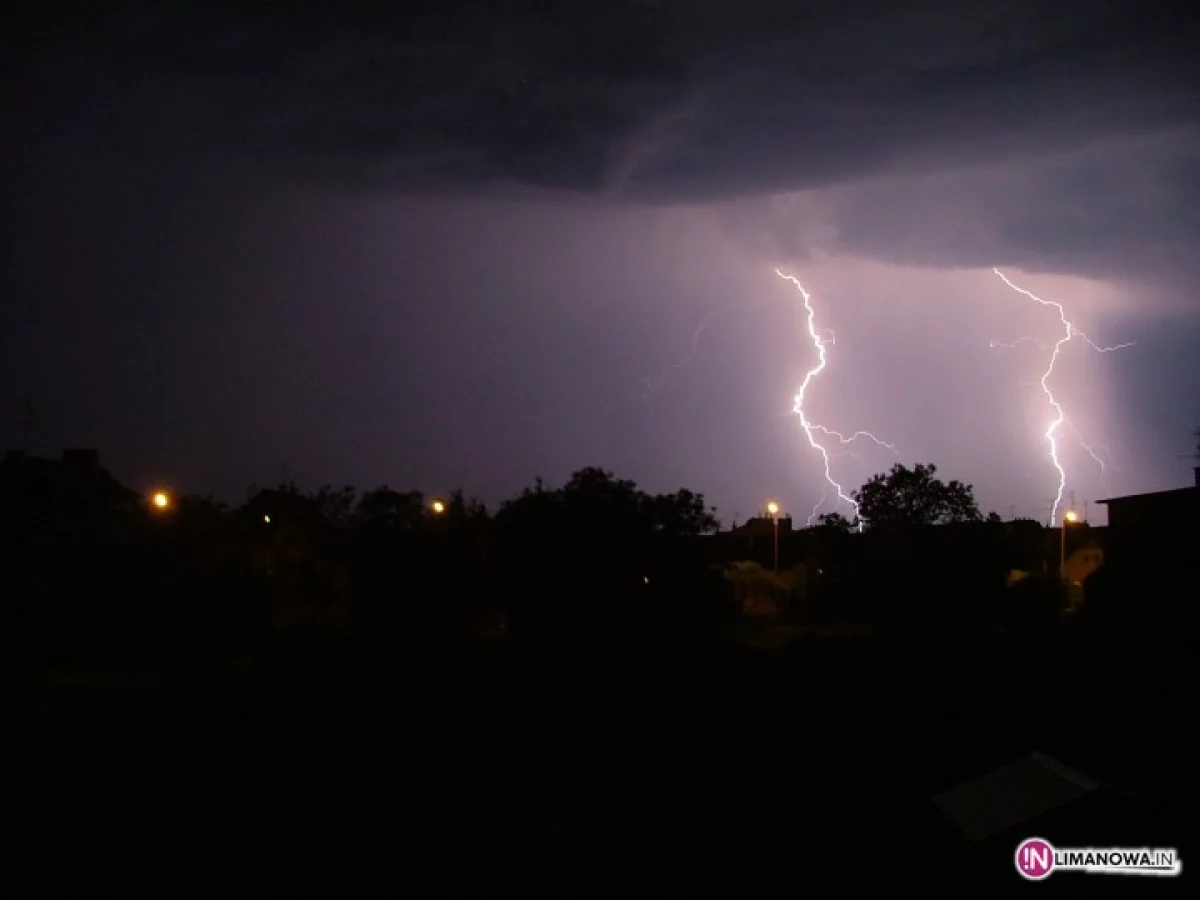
[[578, 769]]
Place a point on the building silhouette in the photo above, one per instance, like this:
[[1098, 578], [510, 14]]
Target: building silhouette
[[1155, 510], [1152, 567], [761, 526], [70, 496]]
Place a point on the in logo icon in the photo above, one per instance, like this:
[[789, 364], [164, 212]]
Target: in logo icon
[[1035, 859]]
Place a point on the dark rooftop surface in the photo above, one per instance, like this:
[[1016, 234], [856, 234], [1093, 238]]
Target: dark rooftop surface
[[1173, 492]]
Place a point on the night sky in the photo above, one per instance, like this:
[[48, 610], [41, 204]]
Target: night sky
[[464, 245]]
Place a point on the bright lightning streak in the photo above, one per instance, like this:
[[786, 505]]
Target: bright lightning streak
[[1060, 417], [853, 437], [1087, 340], [811, 429], [1075, 332]]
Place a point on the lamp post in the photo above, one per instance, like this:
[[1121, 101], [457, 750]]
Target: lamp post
[[773, 510], [1069, 517]]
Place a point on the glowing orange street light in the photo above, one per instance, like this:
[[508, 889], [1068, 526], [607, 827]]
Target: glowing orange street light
[[161, 500], [773, 512], [1069, 518], [438, 507]]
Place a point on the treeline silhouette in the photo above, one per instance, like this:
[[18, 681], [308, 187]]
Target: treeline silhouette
[[98, 584], [94, 582]]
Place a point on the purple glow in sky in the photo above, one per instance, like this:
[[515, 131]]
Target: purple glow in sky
[[463, 247]]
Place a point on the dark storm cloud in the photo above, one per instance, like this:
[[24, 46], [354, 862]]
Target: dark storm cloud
[[432, 96], [1118, 208], [653, 100]]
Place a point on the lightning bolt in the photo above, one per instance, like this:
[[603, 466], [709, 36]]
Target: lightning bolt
[[846, 440], [1069, 333], [654, 385], [1093, 450], [811, 429], [1075, 332], [1100, 454]]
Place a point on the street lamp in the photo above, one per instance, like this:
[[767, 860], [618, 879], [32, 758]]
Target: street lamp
[[161, 500], [1069, 518], [438, 507], [773, 512]]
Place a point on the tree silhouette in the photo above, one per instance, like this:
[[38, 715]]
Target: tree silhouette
[[835, 521], [336, 506], [681, 514], [386, 509], [587, 548], [913, 497], [756, 588]]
